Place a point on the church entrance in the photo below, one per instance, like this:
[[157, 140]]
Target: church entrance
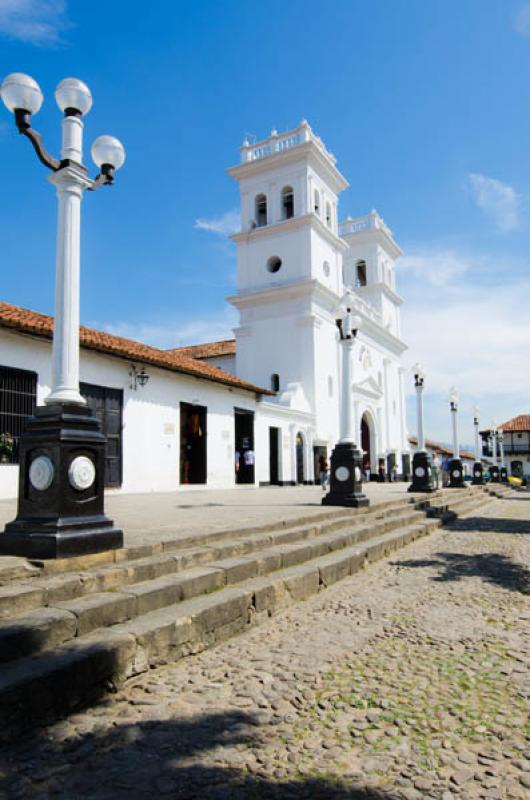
[[192, 443], [244, 439], [299, 457], [274, 456]]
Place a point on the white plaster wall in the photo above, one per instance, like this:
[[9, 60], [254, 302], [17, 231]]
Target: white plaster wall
[[294, 251]]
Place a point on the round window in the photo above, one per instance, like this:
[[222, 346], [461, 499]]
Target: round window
[[325, 267], [274, 263]]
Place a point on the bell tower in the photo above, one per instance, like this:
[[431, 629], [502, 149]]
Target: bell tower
[[289, 258]]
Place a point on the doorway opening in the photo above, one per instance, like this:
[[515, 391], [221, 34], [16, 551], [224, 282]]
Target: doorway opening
[[107, 406], [245, 457], [274, 455], [366, 444], [192, 443], [319, 451], [299, 457]]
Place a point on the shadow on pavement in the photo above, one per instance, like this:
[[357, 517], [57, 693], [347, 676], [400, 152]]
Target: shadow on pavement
[[160, 758], [493, 568]]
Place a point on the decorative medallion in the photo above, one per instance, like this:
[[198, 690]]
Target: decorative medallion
[[41, 473], [82, 473], [419, 472], [456, 473], [342, 473]]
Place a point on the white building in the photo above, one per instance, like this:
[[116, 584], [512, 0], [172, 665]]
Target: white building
[[202, 417]]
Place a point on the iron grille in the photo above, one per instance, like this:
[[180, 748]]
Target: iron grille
[[18, 398]]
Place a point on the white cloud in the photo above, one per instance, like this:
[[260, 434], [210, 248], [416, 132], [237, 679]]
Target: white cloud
[[522, 20], [176, 332], [227, 223], [473, 332], [39, 22], [438, 268], [499, 201]]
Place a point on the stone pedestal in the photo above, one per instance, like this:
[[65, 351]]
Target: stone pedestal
[[456, 474], [421, 473], [61, 488], [478, 474], [346, 478], [494, 472]]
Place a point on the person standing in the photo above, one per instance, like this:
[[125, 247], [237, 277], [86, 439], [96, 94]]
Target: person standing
[[323, 471], [435, 466]]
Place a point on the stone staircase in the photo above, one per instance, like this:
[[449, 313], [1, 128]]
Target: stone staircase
[[73, 629]]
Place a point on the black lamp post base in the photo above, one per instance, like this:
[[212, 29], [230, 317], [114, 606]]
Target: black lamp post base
[[478, 474], [456, 474], [504, 475], [421, 473], [494, 472], [346, 478], [61, 488]]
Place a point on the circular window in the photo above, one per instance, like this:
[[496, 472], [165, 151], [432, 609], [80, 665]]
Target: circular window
[[274, 263], [325, 267]]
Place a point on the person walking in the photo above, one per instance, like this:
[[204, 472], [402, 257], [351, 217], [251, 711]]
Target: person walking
[[323, 471]]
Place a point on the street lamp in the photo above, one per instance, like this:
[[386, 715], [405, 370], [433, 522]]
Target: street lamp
[[494, 469], [456, 469], [346, 459], [62, 453], [478, 476], [504, 471], [421, 463]]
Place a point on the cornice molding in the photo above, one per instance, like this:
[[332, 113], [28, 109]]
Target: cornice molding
[[287, 225]]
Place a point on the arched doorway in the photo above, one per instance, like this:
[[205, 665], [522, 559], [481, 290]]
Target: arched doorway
[[299, 457], [517, 469], [365, 443]]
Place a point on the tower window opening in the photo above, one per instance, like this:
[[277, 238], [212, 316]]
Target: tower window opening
[[328, 215], [360, 274], [261, 210], [287, 202], [274, 263], [317, 202], [275, 382]]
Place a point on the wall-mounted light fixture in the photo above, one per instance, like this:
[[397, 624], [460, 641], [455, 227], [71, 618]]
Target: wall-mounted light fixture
[[138, 377]]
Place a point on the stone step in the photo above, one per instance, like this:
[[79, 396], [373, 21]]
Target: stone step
[[85, 613], [39, 688], [50, 589]]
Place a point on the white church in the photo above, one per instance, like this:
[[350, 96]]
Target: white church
[[261, 408]]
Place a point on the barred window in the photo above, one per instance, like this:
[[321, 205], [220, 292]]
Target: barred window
[[18, 398]]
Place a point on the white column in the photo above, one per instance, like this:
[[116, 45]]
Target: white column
[[494, 448], [403, 427], [70, 184], [501, 445], [477, 445], [419, 416], [385, 445], [456, 449], [347, 434], [292, 429]]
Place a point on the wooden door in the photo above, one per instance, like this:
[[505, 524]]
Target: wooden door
[[107, 407]]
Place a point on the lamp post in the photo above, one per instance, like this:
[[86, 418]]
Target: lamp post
[[456, 469], [504, 471], [478, 476], [346, 459], [62, 453], [494, 469], [421, 463]]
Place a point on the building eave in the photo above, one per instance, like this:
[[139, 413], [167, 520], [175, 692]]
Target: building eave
[[288, 225]]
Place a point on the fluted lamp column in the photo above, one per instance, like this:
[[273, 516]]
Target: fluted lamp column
[[346, 459], [421, 463], [62, 452], [504, 470], [456, 468], [478, 474], [494, 469]]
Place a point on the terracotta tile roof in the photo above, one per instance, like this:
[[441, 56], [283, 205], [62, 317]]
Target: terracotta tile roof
[[520, 423], [25, 321], [442, 449], [226, 347]]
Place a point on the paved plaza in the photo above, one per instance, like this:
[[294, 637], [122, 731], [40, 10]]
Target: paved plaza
[[148, 518], [408, 680]]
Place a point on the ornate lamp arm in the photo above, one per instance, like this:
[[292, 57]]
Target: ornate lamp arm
[[104, 178], [22, 120]]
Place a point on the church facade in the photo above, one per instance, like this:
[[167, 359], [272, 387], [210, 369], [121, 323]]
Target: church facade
[[262, 407]]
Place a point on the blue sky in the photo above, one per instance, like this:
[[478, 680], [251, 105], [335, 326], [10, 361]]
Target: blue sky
[[425, 104]]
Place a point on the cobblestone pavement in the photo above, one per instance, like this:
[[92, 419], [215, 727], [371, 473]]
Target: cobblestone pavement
[[408, 680], [152, 517]]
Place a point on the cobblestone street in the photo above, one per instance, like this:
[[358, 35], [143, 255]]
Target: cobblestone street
[[408, 680]]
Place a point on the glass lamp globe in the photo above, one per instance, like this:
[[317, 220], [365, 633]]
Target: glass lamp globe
[[20, 91], [73, 93], [356, 322], [417, 371], [453, 395], [476, 411], [108, 150]]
